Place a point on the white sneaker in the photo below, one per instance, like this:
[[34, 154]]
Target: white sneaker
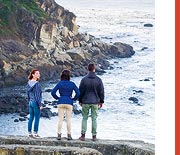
[[30, 135], [36, 136]]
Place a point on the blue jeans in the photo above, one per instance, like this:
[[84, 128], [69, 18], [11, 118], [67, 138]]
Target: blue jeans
[[34, 112], [85, 112]]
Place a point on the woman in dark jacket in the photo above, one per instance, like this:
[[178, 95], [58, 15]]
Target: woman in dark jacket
[[65, 100]]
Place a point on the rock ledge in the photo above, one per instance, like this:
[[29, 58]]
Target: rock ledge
[[22, 145]]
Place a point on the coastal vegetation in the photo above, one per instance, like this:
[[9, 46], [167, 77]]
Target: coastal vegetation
[[9, 11]]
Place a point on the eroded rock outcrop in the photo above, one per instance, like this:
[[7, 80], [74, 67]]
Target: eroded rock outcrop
[[24, 146], [41, 34]]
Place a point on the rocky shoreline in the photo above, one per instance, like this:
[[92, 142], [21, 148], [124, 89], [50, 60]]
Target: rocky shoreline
[[17, 103], [50, 44], [21, 145]]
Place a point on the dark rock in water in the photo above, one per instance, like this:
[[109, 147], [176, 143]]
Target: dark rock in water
[[48, 90], [100, 72], [134, 99], [46, 112], [43, 105], [144, 48], [111, 68], [47, 102], [54, 114], [146, 79], [16, 120], [76, 110], [22, 114], [22, 119], [121, 50], [13, 103], [148, 25], [138, 91], [55, 106], [54, 102]]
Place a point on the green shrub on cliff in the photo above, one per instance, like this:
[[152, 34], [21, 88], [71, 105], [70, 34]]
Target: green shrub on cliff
[[8, 14]]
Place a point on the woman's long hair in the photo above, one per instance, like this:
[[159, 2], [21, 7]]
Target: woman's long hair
[[65, 75], [31, 74]]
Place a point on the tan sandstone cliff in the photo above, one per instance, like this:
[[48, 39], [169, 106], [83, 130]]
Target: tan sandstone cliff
[[41, 34]]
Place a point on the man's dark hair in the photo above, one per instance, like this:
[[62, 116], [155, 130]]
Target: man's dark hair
[[91, 67], [65, 75]]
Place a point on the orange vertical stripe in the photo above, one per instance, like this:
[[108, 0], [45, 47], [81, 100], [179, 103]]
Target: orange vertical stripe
[[177, 77]]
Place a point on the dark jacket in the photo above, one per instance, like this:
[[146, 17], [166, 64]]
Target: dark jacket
[[34, 92], [91, 89], [65, 88]]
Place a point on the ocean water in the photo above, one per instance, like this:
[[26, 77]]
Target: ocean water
[[119, 119]]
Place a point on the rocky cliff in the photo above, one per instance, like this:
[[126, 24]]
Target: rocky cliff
[[41, 34], [20, 145]]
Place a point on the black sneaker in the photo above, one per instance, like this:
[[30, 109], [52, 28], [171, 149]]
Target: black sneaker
[[59, 136], [69, 137], [94, 138]]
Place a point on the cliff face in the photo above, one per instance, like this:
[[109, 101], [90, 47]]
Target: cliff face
[[41, 34]]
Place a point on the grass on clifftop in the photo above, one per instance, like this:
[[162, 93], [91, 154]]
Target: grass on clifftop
[[8, 10]]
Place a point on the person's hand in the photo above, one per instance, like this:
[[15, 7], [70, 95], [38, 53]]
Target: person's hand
[[80, 104], [100, 105], [41, 107]]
